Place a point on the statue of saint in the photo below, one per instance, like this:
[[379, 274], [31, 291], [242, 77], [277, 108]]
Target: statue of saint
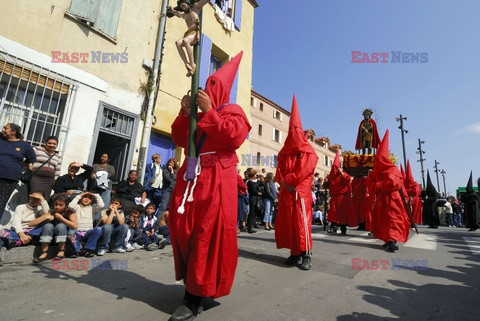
[[367, 137], [189, 12]]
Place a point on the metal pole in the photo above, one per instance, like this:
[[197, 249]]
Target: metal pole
[[403, 131], [421, 160], [147, 126], [436, 172], [444, 185]]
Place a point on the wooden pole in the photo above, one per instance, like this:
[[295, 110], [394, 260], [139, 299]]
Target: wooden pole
[[192, 134]]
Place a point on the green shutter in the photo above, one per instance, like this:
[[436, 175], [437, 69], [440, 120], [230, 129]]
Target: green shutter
[[84, 9], [107, 17]]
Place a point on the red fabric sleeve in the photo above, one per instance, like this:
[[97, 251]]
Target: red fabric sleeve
[[242, 188], [229, 128], [306, 167], [180, 128], [388, 184]]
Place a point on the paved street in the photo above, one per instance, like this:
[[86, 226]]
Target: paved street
[[140, 285]]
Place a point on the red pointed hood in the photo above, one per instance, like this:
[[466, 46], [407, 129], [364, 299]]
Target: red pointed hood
[[402, 171], [335, 166], [382, 159], [220, 83], [296, 141], [409, 181]]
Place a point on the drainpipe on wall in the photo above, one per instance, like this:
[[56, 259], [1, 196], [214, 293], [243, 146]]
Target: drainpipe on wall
[[147, 127]]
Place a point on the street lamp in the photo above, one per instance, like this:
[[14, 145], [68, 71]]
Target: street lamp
[[444, 185], [421, 160], [436, 172], [403, 131]]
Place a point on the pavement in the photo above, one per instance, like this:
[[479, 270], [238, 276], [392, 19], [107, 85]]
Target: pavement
[[433, 276]]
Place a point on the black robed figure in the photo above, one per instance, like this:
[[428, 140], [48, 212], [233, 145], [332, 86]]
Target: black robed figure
[[472, 210], [430, 210]]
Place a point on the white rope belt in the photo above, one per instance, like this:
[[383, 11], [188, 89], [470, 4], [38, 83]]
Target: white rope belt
[[198, 170]]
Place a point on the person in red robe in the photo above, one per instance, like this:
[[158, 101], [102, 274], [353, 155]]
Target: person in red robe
[[367, 136], [361, 201], [413, 191], [341, 211], [203, 226], [390, 221], [296, 164]]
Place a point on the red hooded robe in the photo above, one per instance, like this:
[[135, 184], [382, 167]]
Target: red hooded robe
[[414, 191], [341, 209], [296, 165], [362, 204], [390, 221], [204, 237]]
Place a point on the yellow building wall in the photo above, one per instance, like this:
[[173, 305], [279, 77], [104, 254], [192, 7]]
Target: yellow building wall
[[174, 84], [44, 27]]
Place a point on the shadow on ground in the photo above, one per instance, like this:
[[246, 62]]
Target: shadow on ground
[[127, 284], [432, 301]]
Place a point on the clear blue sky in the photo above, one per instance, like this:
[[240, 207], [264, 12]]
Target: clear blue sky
[[305, 47]]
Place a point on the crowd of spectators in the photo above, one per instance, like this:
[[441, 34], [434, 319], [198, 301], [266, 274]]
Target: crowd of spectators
[[81, 212]]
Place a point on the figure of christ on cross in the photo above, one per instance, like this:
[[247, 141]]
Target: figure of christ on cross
[[189, 13]]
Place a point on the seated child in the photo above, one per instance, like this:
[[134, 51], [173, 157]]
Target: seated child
[[149, 227], [134, 235], [163, 227], [318, 216], [85, 205], [114, 229], [27, 223], [63, 218]]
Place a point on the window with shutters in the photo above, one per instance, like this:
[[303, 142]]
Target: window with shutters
[[100, 15]]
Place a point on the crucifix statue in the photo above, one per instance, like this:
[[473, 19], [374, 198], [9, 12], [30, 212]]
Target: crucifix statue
[[190, 13]]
